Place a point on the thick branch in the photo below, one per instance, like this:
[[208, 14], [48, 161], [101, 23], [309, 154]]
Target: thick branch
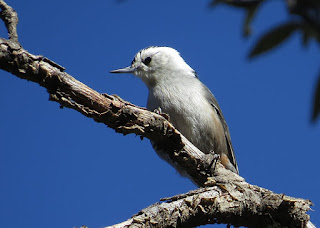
[[231, 200], [237, 203]]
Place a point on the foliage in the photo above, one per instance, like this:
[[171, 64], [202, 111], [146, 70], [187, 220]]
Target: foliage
[[304, 19]]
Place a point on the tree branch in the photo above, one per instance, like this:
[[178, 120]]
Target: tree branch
[[10, 18], [227, 198], [252, 206]]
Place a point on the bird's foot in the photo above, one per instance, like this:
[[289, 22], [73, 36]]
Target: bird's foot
[[215, 158], [159, 112]]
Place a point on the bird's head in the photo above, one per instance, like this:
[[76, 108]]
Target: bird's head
[[154, 64]]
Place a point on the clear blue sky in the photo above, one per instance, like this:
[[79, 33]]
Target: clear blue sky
[[61, 169]]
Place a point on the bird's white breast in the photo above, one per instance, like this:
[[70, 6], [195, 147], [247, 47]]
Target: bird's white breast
[[188, 109]]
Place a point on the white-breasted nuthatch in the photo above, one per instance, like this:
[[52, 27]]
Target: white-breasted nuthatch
[[175, 88]]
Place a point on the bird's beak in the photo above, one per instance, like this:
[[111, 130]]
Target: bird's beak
[[128, 69]]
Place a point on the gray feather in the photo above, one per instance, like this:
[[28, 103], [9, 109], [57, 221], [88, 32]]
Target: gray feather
[[212, 100]]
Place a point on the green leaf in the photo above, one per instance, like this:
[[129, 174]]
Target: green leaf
[[316, 102], [273, 38]]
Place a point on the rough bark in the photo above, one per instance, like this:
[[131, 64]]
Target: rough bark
[[225, 196], [252, 206]]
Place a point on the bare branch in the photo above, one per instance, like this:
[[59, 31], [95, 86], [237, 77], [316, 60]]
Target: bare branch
[[237, 203], [229, 199], [10, 18]]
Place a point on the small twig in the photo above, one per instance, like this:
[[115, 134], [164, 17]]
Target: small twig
[[184, 195], [10, 18]]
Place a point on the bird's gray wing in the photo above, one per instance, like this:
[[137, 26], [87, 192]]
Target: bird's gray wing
[[212, 100]]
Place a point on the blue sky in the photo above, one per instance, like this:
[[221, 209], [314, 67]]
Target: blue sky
[[59, 168]]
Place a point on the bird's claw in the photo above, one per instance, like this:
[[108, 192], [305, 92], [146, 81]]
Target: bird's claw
[[214, 161], [159, 112]]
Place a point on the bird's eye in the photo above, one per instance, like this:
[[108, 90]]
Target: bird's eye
[[147, 61]]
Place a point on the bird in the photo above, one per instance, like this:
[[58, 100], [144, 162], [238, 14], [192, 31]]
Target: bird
[[175, 89]]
